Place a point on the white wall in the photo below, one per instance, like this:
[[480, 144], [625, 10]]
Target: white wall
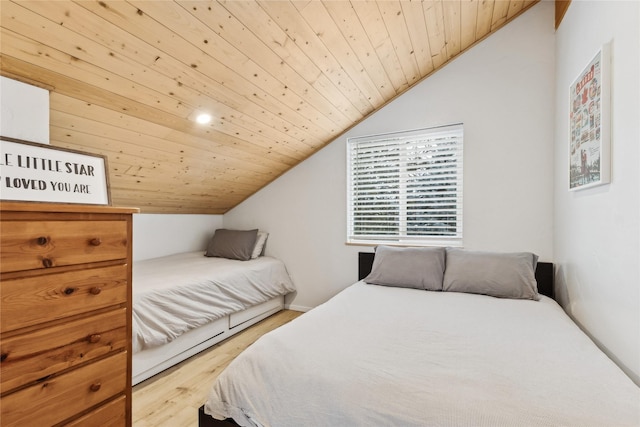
[[24, 111], [503, 91], [156, 235], [597, 239]]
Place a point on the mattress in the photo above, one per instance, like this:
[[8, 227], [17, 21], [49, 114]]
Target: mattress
[[383, 356], [177, 293]]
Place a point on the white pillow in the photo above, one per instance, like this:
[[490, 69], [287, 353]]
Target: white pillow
[[260, 241]]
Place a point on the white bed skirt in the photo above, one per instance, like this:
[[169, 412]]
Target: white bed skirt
[[152, 361]]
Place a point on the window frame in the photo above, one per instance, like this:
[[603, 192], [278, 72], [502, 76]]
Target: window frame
[[423, 142]]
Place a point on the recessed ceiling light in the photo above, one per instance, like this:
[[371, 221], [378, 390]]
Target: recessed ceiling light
[[203, 118]]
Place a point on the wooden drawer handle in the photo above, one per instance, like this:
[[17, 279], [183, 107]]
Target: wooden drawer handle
[[47, 262], [42, 240], [94, 338], [95, 387], [95, 290], [95, 242]]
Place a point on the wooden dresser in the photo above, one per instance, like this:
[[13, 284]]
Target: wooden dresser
[[65, 319]]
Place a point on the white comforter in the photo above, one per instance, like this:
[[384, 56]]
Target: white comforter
[[381, 356], [176, 293]]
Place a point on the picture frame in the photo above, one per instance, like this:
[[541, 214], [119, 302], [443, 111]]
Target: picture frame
[[34, 172], [590, 124]]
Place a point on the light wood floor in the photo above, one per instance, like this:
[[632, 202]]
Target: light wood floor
[[172, 398]]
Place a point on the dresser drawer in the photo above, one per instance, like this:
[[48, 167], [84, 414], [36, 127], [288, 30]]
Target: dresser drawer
[[112, 414], [55, 400], [30, 245], [33, 300], [28, 357]]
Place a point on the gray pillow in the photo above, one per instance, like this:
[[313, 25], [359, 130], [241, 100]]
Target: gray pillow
[[419, 268], [504, 275], [232, 244]]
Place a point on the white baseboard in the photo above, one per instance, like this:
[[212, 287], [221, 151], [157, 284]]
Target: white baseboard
[[297, 308]]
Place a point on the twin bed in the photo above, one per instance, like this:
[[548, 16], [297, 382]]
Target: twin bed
[[187, 302], [430, 337]]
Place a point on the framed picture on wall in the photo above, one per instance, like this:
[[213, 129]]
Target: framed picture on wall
[[590, 124]]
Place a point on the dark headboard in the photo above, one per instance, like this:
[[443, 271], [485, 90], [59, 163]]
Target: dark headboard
[[544, 273]]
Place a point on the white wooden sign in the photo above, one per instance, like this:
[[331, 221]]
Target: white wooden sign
[[40, 173]]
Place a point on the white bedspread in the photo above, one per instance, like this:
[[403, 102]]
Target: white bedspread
[[176, 293], [381, 356]]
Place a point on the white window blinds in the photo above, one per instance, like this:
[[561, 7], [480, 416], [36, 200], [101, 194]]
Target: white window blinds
[[406, 187]]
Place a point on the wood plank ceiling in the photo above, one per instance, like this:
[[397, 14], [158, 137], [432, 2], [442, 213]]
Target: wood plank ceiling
[[281, 79]]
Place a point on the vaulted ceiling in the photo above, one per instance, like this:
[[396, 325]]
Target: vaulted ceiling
[[280, 78]]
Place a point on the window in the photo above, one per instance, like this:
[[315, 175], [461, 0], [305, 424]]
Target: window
[[406, 187]]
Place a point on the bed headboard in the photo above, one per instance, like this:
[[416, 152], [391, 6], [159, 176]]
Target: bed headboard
[[544, 273]]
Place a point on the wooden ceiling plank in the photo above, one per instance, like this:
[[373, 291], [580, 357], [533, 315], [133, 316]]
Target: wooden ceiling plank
[[155, 160], [179, 187], [217, 194], [287, 103], [74, 64], [79, 90], [371, 20], [123, 176], [65, 138], [561, 8], [183, 195], [123, 75], [208, 203], [515, 7], [285, 14], [82, 21], [14, 43], [395, 23], [434, 17], [500, 14], [141, 132], [417, 27], [485, 15], [149, 208], [132, 139], [348, 22], [452, 27], [152, 32], [319, 19], [167, 210], [154, 170], [208, 193], [468, 22], [222, 20], [224, 191], [175, 200], [254, 18]]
